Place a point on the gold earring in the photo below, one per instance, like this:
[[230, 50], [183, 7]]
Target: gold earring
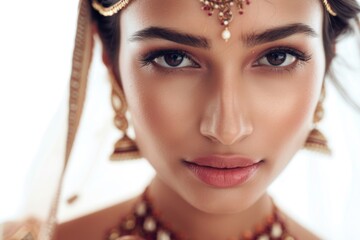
[[125, 147], [316, 140]]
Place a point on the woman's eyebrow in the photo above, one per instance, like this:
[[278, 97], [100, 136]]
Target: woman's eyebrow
[[171, 35], [269, 35], [277, 33]]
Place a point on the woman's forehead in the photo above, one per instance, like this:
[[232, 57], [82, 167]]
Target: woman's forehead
[[188, 16]]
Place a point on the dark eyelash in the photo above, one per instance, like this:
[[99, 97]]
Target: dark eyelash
[[289, 68], [298, 54], [151, 56], [301, 59]]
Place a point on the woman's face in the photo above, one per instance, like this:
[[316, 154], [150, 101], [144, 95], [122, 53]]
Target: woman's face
[[203, 108]]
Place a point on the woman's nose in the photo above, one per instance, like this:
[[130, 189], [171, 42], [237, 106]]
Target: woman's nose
[[225, 118]]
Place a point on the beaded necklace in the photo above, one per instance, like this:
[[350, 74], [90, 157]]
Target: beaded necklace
[[144, 221]]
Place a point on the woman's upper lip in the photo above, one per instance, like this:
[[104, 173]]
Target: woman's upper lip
[[223, 161]]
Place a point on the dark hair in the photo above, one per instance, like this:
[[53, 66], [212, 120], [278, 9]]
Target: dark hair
[[333, 28], [109, 33]]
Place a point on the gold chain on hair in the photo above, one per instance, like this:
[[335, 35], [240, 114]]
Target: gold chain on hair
[[329, 8], [109, 11]]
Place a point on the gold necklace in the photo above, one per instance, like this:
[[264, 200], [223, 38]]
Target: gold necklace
[[145, 222]]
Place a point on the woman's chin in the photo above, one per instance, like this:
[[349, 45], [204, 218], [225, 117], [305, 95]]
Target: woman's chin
[[220, 203]]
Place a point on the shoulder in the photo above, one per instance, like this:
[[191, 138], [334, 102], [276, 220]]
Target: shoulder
[[94, 226], [298, 231]]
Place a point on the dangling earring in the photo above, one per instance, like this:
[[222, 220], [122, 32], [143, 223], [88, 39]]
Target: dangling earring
[[125, 148], [316, 140]]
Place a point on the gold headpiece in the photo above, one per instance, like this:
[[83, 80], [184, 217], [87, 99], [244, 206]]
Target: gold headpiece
[[111, 10], [329, 8], [225, 14]]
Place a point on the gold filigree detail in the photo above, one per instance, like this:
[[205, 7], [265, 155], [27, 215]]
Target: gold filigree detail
[[109, 11]]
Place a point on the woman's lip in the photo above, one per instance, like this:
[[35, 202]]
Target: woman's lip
[[223, 161], [224, 173]]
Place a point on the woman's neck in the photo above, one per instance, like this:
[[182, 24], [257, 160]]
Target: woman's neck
[[196, 224]]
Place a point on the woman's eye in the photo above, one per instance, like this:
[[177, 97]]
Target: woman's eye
[[170, 59], [282, 58], [277, 59]]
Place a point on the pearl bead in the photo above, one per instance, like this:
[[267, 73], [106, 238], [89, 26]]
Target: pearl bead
[[263, 237], [276, 230], [114, 235], [226, 34], [163, 235], [149, 224], [141, 209]]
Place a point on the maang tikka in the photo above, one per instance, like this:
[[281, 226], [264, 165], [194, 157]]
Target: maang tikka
[[223, 8], [225, 14]]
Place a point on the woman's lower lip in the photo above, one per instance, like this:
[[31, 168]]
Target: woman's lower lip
[[222, 177]]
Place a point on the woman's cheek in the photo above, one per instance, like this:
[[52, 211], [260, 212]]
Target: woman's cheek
[[162, 111], [289, 117]]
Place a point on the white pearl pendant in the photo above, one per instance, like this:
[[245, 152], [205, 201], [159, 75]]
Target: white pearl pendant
[[226, 34]]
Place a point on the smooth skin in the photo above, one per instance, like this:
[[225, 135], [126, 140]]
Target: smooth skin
[[226, 98]]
